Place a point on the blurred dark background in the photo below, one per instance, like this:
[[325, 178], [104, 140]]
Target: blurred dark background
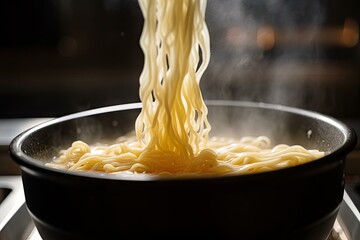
[[62, 56], [59, 57]]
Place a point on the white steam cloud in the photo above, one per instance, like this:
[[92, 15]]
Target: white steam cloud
[[262, 50]]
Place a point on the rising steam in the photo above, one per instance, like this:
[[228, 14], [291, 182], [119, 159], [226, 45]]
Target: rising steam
[[261, 50]]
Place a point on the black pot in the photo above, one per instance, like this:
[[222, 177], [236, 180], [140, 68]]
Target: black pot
[[295, 203]]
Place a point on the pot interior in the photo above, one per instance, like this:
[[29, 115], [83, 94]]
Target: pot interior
[[228, 119]]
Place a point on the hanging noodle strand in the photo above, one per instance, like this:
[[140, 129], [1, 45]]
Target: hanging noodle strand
[[172, 130]]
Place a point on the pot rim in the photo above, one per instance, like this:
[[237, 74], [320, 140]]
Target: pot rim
[[350, 140]]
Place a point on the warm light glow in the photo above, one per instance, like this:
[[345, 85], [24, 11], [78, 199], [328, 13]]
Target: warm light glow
[[266, 37], [350, 33], [236, 37]]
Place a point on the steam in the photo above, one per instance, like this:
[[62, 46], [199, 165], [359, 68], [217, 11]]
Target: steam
[[261, 50]]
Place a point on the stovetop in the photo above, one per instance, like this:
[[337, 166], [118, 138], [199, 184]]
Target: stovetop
[[16, 223]]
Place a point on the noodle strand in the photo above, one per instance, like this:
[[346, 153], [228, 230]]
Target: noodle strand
[[172, 129]]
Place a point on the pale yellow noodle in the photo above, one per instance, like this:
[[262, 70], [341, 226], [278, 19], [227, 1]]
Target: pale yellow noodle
[[172, 130]]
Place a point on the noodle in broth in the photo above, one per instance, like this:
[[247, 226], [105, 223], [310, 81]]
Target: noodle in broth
[[172, 130]]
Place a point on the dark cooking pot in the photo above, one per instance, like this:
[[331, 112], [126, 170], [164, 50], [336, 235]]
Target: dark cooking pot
[[294, 203]]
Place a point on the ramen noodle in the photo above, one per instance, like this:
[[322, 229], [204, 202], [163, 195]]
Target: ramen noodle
[[172, 131]]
